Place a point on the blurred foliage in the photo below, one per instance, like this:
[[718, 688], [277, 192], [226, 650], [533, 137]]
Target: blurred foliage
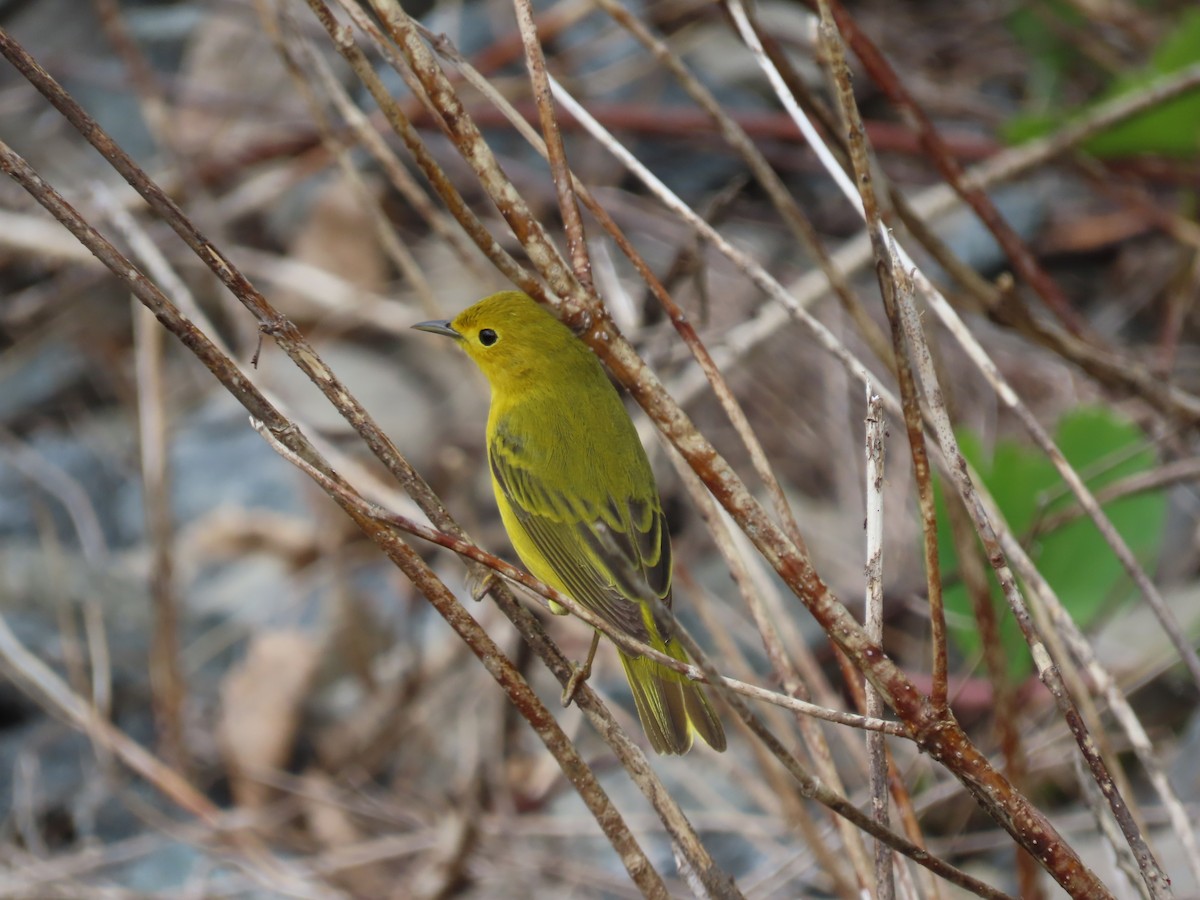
[[1074, 558], [1170, 129]]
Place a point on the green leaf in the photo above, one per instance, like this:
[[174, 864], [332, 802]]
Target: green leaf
[[1051, 56], [1074, 558], [1169, 129]]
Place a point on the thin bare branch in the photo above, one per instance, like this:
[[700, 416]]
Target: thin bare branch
[[873, 622], [556, 153], [493, 659], [546, 595], [295, 54], [891, 284]]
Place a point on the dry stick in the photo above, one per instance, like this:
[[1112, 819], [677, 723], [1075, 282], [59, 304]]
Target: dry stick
[[338, 148], [943, 740], [973, 569], [782, 666], [1152, 873], [1122, 860], [343, 41], [165, 667], [519, 693], [468, 139], [815, 789], [1106, 686], [1151, 870], [856, 141], [401, 179], [781, 198], [1018, 253], [885, 776], [556, 153], [735, 555], [545, 595], [873, 623]]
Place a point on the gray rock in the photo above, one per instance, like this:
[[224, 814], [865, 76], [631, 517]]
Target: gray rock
[[32, 379], [85, 468], [217, 460], [1024, 205]]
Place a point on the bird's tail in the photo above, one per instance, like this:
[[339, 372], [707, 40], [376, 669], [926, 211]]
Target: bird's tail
[[671, 706]]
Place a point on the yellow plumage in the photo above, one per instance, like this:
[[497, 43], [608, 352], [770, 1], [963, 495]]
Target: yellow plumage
[[577, 495]]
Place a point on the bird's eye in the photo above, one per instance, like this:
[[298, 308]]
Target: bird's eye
[[487, 337]]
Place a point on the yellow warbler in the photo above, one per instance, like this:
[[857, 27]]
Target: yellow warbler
[[577, 495]]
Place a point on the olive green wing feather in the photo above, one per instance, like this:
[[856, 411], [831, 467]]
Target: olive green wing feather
[[607, 554]]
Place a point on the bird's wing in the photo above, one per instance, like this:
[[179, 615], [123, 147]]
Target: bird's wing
[[606, 555]]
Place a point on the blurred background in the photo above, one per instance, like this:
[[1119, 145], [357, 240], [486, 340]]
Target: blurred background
[[212, 603]]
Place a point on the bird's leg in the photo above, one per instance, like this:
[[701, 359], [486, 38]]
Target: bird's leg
[[580, 673], [480, 580]]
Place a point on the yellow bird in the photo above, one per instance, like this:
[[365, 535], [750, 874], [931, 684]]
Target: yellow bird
[[578, 498]]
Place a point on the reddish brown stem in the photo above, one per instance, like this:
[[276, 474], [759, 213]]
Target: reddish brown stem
[[939, 153]]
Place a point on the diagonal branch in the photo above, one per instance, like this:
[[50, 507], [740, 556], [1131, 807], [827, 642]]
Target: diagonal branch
[[490, 655]]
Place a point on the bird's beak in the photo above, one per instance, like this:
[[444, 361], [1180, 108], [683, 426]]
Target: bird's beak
[[438, 326]]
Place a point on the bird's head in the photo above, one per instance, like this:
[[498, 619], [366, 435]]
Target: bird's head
[[514, 341]]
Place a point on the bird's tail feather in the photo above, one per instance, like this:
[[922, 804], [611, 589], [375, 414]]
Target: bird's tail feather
[[671, 706]]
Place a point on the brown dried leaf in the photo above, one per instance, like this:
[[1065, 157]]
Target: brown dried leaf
[[338, 237], [261, 702], [331, 826]]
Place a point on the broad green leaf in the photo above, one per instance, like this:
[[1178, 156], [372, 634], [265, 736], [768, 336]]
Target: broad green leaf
[[1073, 558], [1170, 129]]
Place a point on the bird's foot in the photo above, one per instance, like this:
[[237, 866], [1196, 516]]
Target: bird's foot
[[580, 673], [480, 581]]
